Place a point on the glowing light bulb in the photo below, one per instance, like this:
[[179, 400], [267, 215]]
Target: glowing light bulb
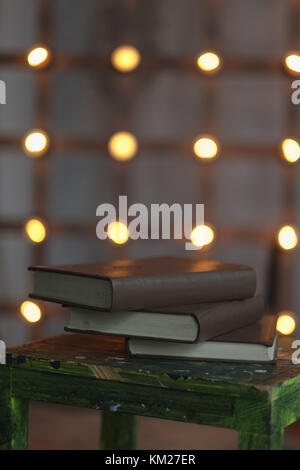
[[287, 237], [30, 311], [209, 62], [125, 58], [38, 57], [36, 143], [118, 232], [35, 230], [202, 235], [122, 146], [206, 147], [292, 63], [290, 150], [286, 323]]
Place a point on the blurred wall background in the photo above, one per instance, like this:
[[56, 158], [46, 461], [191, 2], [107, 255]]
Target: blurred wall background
[[166, 103]]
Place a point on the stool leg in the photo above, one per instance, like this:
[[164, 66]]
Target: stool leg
[[251, 441], [5, 411], [13, 416], [19, 409], [118, 431]]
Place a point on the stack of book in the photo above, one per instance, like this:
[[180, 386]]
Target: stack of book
[[166, 307]]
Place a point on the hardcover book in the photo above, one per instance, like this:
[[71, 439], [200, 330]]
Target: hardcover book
[[143, 283], [253, 343], [189, 323]]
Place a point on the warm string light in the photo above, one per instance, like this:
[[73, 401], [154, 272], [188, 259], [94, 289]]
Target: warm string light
[[209, 62], [35, 230], [206, 147], [39, 57], [287, 237], [122, 146], [31, 311], [125, 58], [286, 323], [118, 232], [292, 63], [202, 235], [290, 149], [36, 143]]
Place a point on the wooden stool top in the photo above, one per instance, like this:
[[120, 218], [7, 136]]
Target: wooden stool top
[[105, 358], [94, 371]]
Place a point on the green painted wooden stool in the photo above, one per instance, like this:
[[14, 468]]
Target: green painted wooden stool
[[258, 401]]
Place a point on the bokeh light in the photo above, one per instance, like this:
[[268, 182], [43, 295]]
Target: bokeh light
[[31, 311], [36, 143], [125, 58], [206, 147], [35, 230], [118, 232], [286, 323], [290, 150], [38, 57], [122, 146], [209, 62], [287, 237], [292, 63], [202, 235]]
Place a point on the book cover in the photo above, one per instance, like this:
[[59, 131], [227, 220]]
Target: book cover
[[143, 283]]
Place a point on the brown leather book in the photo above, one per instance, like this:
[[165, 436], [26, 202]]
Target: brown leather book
[[143, 283], [189, 323], [254, 343]]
